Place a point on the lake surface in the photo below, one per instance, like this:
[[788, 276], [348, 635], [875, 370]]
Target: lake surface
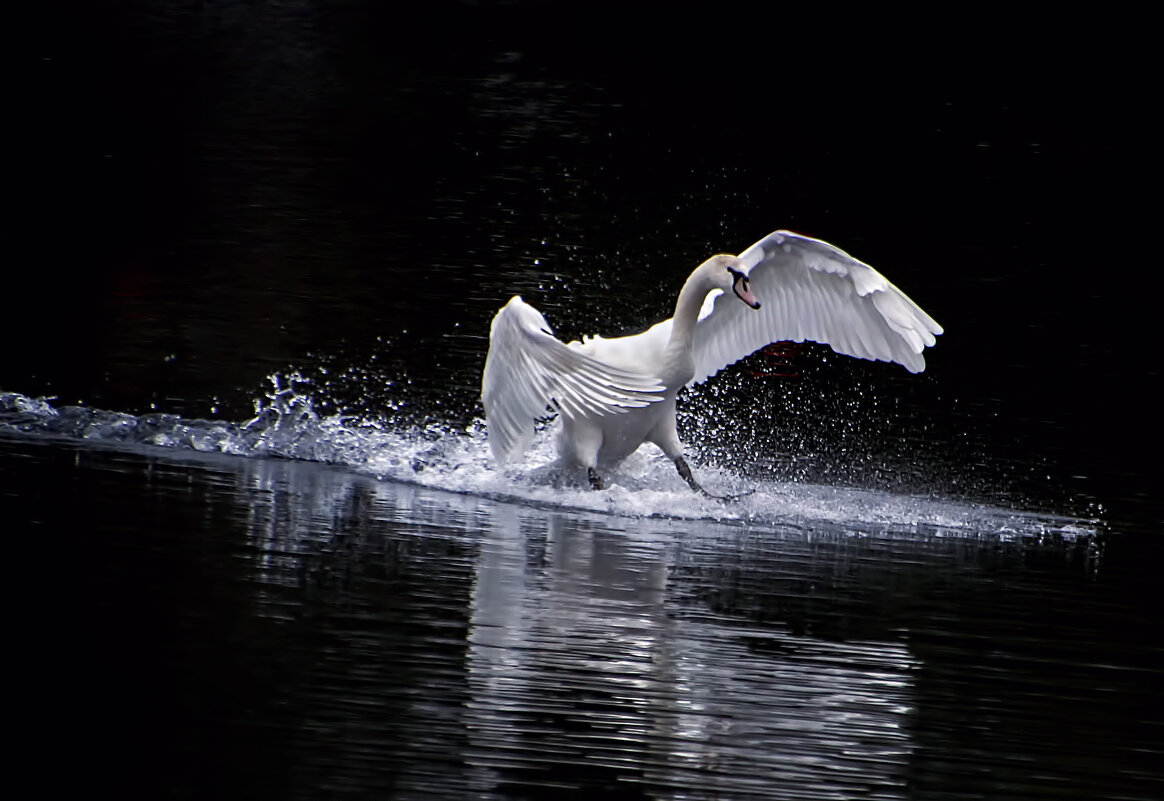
[[268, 552]]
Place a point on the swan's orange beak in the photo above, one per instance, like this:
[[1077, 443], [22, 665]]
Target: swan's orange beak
[[740, 287]]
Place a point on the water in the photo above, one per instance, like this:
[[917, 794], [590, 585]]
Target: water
[[260, 548], [294, 628], [459, 461]]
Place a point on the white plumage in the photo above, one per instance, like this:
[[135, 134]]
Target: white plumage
[[615, 394]]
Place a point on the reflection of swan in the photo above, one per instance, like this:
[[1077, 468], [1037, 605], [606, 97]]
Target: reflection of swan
[[616, 394]]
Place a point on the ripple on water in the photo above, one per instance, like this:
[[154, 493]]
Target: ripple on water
[[347, 632]]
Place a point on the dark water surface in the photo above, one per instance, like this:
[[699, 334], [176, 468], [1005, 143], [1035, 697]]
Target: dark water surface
[[274, 627], [239, 426]]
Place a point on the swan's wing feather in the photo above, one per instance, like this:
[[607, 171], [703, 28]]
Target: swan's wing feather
[[811, 290], [528, 368]]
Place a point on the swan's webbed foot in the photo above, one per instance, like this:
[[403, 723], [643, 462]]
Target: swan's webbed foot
[[685, 473], [595, 479]]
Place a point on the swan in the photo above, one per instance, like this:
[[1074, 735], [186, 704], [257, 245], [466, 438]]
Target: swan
[[615, 394]]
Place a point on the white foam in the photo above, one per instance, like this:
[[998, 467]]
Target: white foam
[[458, 460]]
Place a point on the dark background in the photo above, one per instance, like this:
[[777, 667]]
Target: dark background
[[223, 190], [207, 193]]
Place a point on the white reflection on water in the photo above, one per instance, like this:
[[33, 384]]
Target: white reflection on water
[[584, 636], [410, 640]]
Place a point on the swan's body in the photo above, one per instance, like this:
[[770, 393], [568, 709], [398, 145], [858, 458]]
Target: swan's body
[[616, 394]]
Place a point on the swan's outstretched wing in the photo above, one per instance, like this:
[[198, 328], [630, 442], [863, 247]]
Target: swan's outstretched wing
[[528, 368], [811, 290]]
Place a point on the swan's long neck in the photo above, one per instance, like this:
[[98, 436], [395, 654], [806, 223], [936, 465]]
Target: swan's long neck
[[679, 347], [687, 308]]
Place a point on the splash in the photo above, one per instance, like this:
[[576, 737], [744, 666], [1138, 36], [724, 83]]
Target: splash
[[287, 425]]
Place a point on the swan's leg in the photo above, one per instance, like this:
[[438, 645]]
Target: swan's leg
[[666, 436], [595, 479], [685, 473], [582, 441]]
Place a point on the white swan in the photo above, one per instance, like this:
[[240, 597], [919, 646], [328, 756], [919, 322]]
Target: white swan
[[616, 394]]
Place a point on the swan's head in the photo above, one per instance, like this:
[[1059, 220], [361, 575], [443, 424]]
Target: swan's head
[[730, 274]]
